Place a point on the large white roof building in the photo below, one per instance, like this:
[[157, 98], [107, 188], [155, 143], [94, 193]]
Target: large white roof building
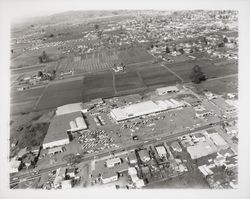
[[143, 108]]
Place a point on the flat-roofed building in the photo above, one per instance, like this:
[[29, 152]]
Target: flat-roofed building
[[218, 140], [69, 108], [59, 128], [143, 108], [201, 149]]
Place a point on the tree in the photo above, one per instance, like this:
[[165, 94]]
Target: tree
[[43, 58], [225, 40], [221, 45], [181, 51], [197, 75], [96, 26], [204, 39], [40, 74], [167, 50]]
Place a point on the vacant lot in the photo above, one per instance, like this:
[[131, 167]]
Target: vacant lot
[[128, 81], [96, 86], [60, 93], [23, 107], [220, 86], [158, 76], [183, 69]]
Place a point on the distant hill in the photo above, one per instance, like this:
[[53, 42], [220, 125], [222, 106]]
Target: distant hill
[[75, 16]]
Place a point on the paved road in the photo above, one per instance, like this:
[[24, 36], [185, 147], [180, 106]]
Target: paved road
[[107, 153]]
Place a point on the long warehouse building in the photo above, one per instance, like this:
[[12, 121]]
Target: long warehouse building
[[143, 108], [60, 126]]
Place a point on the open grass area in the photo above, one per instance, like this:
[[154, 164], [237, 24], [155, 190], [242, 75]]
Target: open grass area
[[31, 57], [191, 180], [24, 107], [183, 69], [219, 86]]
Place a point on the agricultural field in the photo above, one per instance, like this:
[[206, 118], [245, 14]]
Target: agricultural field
[[96, 86], [61, 92], [128, 81], [158, 76], [87, 63], [135, 55]]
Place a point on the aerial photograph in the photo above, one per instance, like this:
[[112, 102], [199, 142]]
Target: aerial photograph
[[124, 99]]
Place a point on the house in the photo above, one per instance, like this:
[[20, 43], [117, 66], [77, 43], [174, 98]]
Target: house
[[144, 155], [113, 162], [199, 137], [15, 165], [35, 149], [70, 172], [166, 90], [176, 146], [55, 150], [161, 151], [132, 157], [22, 152], [29, 159], [219, 160], [66, 184], [109, 176], [14, 143], [203, 113]]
